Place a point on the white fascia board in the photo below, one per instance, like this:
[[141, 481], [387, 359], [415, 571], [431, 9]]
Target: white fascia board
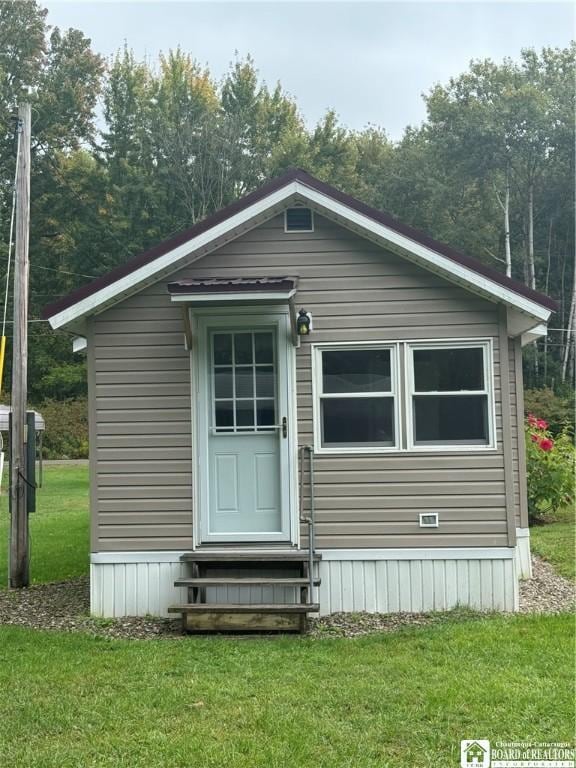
[[79, 344], [237, 298], [129, 282], [442, 263], [538, 332]]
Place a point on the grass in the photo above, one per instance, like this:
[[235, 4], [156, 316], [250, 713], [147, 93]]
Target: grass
[[555, 542], [397, 700], [58, 529]]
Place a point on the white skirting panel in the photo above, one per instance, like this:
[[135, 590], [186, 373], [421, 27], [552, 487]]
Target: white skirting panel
[[137, 584], [522, 553], [134, 589], [391, 586]]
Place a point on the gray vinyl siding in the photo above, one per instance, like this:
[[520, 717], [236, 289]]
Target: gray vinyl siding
[[141, 410]]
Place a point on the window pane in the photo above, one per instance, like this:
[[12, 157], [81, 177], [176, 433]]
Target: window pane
[[454, 419], [222, 349], [245, 381], [224, 413], [348, 421], [265, 384], [223, 382], [264, 347], [245, 413], [243, 348], [448, 370], [356, 370], [265, 413]]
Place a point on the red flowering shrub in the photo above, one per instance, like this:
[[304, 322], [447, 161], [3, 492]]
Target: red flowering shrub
[[550, 467]]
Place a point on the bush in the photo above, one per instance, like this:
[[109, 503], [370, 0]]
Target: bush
[[550, 468], [66, 435], [556, 410]]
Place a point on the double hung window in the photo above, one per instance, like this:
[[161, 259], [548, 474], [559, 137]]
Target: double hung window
[[440, 397]]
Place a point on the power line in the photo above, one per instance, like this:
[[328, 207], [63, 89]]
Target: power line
[[11, 237]]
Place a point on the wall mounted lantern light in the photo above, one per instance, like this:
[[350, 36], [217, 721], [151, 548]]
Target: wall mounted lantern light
[[303, 323]]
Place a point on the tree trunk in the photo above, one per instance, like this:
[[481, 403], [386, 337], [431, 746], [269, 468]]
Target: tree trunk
[[508, 250], [530, 252], [568, 348]]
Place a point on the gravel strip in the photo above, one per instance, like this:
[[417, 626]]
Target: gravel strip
[[64, 606], [546, 591]]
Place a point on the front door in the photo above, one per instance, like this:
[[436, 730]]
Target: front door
[[244, 445]]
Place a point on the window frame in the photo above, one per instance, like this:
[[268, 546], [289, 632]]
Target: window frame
[[488, 391], [318, 395], [402, 390]]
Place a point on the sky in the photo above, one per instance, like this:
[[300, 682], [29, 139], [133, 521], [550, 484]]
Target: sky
[[369, 61]]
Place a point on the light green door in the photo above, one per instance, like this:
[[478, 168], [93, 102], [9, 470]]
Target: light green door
[[247, 441]]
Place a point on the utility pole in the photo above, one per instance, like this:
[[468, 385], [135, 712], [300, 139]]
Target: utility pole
[[19, 549]]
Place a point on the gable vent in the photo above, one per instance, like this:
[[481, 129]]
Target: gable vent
[[298, 220]]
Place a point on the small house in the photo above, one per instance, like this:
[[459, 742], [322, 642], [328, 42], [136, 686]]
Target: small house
[[301, 404]]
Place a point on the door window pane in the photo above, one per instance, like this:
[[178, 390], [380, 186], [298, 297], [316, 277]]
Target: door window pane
[[243, 348], [265, 413], [222, 343], [348, 421], [245, 381], [224, 413], [356, 370], [448, 370], [245, 413], [223, 382], [265, 381], [264, 347], [451, 419]]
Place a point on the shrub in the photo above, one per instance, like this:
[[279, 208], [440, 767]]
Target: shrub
[[550, 468], [558, 411], [66, 435]]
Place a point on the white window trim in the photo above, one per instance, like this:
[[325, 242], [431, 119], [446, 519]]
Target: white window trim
[[488, 391], [317, 393], [403, 400], [297, 231]]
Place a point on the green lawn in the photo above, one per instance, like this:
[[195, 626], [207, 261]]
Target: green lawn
[[555, 542], [395, 700], [59, 544], [400, 700]]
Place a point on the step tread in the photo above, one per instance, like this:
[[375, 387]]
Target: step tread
[[244, 608], [254, 557], [243, 581]]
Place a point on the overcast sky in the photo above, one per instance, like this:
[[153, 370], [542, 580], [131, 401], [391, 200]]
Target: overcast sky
[[369, 61]]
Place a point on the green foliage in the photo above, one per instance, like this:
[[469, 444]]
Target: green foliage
[[66, 435], [550, 467], [558, 411], [177, 144]]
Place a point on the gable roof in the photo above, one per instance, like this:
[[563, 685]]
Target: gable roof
[[296, 184]]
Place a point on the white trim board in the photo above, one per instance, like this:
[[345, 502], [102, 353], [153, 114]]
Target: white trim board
[[443, 553], [382, 234]]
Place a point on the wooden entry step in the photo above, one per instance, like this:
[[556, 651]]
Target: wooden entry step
[[204, 556], [222, 617], [225, 590], [236, 581]]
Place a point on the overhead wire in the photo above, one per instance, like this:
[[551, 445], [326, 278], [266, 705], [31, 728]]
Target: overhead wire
[[8, 267]]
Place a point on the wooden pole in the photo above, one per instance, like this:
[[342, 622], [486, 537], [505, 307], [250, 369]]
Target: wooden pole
[[19, 551]]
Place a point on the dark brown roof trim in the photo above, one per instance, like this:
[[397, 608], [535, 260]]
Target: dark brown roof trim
[[296, 174], [233, 285]]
